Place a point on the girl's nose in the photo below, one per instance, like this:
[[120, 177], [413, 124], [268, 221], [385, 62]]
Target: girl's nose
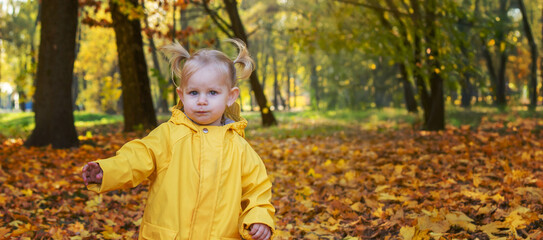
[[202, 100]]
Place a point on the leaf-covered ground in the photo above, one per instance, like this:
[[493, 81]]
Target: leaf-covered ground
[[482, 182]]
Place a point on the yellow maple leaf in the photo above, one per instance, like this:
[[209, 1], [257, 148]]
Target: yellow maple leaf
[[476, 180], [3, 199], [492, 228], [407, 233], [312, 173], [109, 233], [350, 175], [282, 234], [434, 224], [462, 220], [305, 191], [27, 192], [357, 207]]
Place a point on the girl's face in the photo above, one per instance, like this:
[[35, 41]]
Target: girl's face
[[205, 96]]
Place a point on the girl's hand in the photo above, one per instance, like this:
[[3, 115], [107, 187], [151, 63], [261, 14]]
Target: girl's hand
[[92, 173], [260, 231]]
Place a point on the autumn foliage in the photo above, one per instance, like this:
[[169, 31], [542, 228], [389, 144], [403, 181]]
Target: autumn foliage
[[480, 182]]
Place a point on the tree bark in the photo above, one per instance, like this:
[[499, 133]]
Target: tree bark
[[162, 82], [409, 95], [75, 82], [288, 74], [425, 98], [533, 48], [275, 83], [268, 119], [435, 119], [464, 25], [541, 61], [138, 109], [315, 97], [501, 84], [174, 38], [53, 106]]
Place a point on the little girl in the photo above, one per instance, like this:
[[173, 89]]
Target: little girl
[[206, 180]]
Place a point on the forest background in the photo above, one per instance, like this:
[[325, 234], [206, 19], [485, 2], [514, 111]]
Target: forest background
[[400, 119], [325, 55]]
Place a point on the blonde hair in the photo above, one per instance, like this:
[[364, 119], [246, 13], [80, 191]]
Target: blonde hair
[[209, 57]]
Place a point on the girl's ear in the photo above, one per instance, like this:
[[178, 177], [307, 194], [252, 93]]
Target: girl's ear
[[179, 93], [232, 96]]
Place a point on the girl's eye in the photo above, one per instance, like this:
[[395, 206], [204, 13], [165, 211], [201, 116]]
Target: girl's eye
[[212, 92], [194, 93]]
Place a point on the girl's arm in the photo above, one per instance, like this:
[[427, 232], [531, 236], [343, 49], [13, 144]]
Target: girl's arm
[[256, 195], [134, 162]]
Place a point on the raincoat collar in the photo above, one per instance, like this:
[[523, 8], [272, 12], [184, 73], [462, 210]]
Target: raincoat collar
[[233, 112]]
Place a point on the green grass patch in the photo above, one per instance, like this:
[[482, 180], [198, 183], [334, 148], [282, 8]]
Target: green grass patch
[[21, 124], [16, 124], [309, 123], [293, 124], [458, 116]]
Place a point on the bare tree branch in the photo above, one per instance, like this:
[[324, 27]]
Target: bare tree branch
[[221, 23], [371, 6]]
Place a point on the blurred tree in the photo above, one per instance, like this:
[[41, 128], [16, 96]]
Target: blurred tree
[[162, 105], [236, 29], [413, 35], [409, 96], [138, 108], [97, 69], [53, 108], [17, 31], [496, 39], [434, 106], [533, 49]]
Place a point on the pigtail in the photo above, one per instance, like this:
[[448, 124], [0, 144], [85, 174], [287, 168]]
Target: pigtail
[[244, 60], [177, 54]]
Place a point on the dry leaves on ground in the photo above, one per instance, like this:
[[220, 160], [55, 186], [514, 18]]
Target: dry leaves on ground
[[461, 183]]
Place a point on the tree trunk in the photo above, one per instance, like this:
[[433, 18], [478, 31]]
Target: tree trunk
[[533, 48], [425, 98], [294, 89], [53, 106], [162, 82], [172, 77], [501, 88], [541, 61], [288, 73], [275, 83], [501, 84], [22, 104], [435, 119], [75, 82], [464, 24], [314, 92], [408, 94], [138, 109], [466, 90], [268, 118]]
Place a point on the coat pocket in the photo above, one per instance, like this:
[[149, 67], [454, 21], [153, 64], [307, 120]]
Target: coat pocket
[[151, 231]]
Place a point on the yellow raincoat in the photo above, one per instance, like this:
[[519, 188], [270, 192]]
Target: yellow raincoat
[[206, 181]]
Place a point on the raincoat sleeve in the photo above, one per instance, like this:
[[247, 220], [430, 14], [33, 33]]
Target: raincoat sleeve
[[256, 195], [134, 162]]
